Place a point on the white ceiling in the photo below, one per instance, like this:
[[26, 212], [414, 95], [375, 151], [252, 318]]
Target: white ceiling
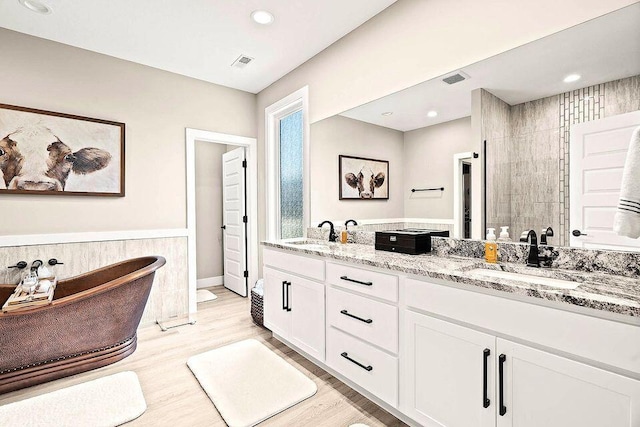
[[601, 50], [198, 38]]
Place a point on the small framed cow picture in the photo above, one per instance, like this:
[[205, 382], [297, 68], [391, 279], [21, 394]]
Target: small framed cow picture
[[363, 179], [42, 152]]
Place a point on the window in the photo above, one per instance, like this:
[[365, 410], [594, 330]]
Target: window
[[287, 167]]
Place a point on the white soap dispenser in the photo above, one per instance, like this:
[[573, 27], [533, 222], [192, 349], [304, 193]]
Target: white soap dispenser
[[504, 234]]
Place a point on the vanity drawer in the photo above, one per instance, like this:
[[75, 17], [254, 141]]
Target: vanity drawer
[[297, 264], [376, 321], [380, 285], [378, 373]]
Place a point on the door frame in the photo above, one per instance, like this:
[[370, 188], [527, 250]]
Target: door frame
[[251, 153], [458, 214]]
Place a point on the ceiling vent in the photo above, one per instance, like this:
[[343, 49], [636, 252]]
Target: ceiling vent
[[242, 61], [456, 77]]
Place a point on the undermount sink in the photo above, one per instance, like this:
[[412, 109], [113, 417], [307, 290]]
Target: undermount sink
[[527, 278]]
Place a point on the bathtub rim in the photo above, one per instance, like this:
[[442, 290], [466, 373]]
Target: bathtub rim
[[158, 261]]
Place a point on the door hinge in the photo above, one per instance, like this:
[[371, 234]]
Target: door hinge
[[244, 163], [246, 273], [245, 219]]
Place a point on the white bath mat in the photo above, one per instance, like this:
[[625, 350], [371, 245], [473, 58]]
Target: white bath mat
[[203, 295], [249, 383], [108, 401]]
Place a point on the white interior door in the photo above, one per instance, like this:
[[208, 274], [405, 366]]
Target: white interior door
[[233, 200], [598, 150]]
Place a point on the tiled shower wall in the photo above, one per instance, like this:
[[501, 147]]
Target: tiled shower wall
[[169, 294], [528, 162]]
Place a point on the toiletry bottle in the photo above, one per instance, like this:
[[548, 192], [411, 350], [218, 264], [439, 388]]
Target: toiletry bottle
[[504, 234], [343, 236], [491, 247]]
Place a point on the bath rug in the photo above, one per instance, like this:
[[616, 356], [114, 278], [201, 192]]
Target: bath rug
[[105, 402], [203, 295], [249, 383]]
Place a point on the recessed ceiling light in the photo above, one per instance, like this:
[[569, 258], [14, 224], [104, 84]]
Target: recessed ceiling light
[[36, 6], [262, 17], [572, 78], [432, 114], [387, 113]]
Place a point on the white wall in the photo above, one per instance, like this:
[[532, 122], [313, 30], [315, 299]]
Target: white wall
[[156, 106], [209, 208], [340, 135], [428, 162], [416, 40]]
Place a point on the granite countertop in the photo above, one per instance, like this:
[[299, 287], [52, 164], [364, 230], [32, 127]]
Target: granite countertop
[[599, 291]]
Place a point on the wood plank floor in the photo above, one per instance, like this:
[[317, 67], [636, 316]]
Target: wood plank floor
[[175, 398]]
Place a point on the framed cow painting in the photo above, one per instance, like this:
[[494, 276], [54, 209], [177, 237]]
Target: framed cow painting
[[42, 152], [363, 179]]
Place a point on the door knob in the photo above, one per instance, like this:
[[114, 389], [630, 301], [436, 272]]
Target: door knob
[[578, 233], [224, 227]]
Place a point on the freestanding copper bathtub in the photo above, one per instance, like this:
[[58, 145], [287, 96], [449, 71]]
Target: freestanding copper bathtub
[[90, 323]]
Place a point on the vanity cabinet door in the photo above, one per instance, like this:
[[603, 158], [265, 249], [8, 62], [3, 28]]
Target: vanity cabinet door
[[448, 374], [306, 305], [276, 315], [542, 389]]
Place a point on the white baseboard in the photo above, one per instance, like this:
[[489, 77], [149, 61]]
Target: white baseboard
[[207, 282]]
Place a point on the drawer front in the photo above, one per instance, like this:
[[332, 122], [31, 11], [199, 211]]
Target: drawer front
[[355, 278], [372, 321], [369, 367], [297, 264]]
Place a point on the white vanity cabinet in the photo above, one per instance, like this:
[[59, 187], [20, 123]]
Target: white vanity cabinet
[[440, 354], [294, 310], [542, 389], [456, 376], [448, 376]]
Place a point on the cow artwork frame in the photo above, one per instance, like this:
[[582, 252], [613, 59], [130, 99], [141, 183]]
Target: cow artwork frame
[[49, 153], [361, 178]]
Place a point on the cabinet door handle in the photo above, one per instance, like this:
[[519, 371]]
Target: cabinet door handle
[[284, 294], [288, 288], [485, 368], [356, 281], [346, 313], [501, 359], [366, 368]]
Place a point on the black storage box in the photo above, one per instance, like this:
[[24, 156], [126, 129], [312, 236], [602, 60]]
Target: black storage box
[[409, 241]]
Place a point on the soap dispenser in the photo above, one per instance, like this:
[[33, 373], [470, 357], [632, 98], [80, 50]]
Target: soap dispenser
[[504, 234], [491, 247]]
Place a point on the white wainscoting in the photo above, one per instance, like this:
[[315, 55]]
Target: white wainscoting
[[82, 252]]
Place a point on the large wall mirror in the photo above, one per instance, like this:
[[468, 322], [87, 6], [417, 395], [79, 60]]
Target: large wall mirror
[[532, 138]]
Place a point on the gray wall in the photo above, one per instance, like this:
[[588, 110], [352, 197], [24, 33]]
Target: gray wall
[[341, 135], [156, 107], [209, 208], [428, 162]]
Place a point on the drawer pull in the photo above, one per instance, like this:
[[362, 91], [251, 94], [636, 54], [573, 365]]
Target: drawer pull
[[501, 359], [356, 281], [485, 393], [366, 368], [346, 313]]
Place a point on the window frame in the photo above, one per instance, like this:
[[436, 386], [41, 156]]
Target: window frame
[[297, 101]]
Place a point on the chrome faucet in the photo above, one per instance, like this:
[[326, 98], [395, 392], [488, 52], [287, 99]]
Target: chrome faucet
[[332, 232], [530, 236]]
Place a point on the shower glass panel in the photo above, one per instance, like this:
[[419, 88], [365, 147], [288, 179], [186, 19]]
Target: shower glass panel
[[291, 176]]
